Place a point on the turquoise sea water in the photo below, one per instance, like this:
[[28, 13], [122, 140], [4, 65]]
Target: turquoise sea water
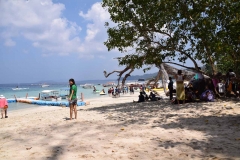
[[33, 90]]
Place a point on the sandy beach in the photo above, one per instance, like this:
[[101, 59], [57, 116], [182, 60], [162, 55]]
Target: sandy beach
[[116, 128]]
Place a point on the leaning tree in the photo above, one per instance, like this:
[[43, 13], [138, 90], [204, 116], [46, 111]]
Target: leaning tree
[[162, 31]]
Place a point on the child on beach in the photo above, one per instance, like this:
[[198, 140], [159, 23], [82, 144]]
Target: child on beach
[[73, 98]]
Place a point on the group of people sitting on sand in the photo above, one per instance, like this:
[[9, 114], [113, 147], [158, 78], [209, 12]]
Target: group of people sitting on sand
[[143, 97], [204, 89], [228, 85]]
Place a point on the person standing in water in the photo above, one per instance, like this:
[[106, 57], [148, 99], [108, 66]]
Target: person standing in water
[[72, 98]]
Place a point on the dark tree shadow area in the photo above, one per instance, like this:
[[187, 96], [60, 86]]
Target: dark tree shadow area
[[222, 131]]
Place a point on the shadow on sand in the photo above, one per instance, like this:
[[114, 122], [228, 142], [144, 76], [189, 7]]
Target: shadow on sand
[[222, 131]]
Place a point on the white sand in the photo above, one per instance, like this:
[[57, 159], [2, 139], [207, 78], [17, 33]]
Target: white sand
[[117, 128]]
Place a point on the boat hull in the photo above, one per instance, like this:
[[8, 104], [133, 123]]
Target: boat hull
[[87, 86], [43, 86], [18, 89]]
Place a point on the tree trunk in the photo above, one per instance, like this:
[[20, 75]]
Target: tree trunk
[[157, 77], [165, 77]]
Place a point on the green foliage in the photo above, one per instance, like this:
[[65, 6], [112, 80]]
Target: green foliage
[[165, 30]]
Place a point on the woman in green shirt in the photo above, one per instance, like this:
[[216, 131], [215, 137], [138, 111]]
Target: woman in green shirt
[[72, 98]]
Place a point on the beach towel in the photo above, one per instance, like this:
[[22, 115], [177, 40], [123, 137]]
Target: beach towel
[[180, 91]]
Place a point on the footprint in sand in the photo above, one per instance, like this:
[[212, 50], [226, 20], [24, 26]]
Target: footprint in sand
[[183, 155]]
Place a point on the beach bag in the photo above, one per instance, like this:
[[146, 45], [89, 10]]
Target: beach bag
[[221, 87], [210, 97]]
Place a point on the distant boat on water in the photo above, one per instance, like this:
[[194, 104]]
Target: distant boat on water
[[35, 84], [45, 85], [64, 93], [17, 89], [109, 84], [50, 95], [87, 86]]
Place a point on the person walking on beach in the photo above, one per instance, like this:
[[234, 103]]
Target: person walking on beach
[[170, 87], [72, 98], [131, 89], [180, 86]]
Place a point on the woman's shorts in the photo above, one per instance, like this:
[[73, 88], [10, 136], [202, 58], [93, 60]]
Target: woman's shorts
[[73, 102]]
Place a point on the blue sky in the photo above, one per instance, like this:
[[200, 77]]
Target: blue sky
[[54, 40]]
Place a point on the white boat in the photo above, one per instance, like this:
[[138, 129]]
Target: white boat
[[18, 89], [109, 84], [45, 85], [50, 95], [87, 86], [64, 93], [139, 82]]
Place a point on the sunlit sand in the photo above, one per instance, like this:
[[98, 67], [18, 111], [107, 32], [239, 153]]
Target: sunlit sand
[[117, 128]]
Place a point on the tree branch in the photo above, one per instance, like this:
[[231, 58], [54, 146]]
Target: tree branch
[[127, 75], [192, 68], [157, 77], [175, 49], [116, 71]]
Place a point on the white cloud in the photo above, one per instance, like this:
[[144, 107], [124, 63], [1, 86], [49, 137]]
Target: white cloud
[[98, 16], [9, 43], [40, 22], [96, 31]]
